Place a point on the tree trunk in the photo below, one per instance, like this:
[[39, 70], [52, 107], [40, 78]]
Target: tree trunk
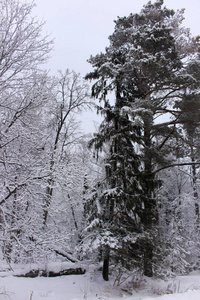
[[194, 184], [148, 256], [47, 200], [105, 271], [149, 218]]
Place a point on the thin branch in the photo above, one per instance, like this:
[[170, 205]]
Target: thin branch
[[1, 146], [176, 165], [65, 254]]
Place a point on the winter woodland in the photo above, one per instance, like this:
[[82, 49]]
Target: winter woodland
[[126, 198]]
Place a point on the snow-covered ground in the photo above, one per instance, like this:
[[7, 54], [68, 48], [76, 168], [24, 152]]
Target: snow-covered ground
[[91, 286]]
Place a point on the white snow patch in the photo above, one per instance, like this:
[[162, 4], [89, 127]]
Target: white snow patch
[[91, 286]]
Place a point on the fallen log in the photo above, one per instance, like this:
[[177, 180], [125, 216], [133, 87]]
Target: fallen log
[[44, 273]]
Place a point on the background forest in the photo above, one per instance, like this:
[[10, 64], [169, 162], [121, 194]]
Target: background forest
[[129, 194]]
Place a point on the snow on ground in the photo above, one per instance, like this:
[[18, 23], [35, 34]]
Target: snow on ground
[[91, 286], [194, 295]]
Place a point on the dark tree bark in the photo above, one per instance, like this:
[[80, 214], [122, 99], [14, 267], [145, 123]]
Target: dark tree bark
[[148, 256], [44, 273], [106, 260], [149, 217], [105, 271]]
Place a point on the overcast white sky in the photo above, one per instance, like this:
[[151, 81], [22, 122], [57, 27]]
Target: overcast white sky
[[81, 27]]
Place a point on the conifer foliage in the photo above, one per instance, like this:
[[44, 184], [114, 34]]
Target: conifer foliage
[[150, 69]]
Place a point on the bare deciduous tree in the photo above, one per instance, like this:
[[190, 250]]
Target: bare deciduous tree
[[24, 89], [71, 98]]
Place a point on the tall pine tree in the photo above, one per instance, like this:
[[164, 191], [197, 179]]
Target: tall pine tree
[[145, 70]]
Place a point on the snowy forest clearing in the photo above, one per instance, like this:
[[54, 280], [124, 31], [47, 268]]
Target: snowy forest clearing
[[91, 286]]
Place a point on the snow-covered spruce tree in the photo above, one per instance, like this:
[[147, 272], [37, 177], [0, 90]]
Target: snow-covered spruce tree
[[109, 205], [146, 68]]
